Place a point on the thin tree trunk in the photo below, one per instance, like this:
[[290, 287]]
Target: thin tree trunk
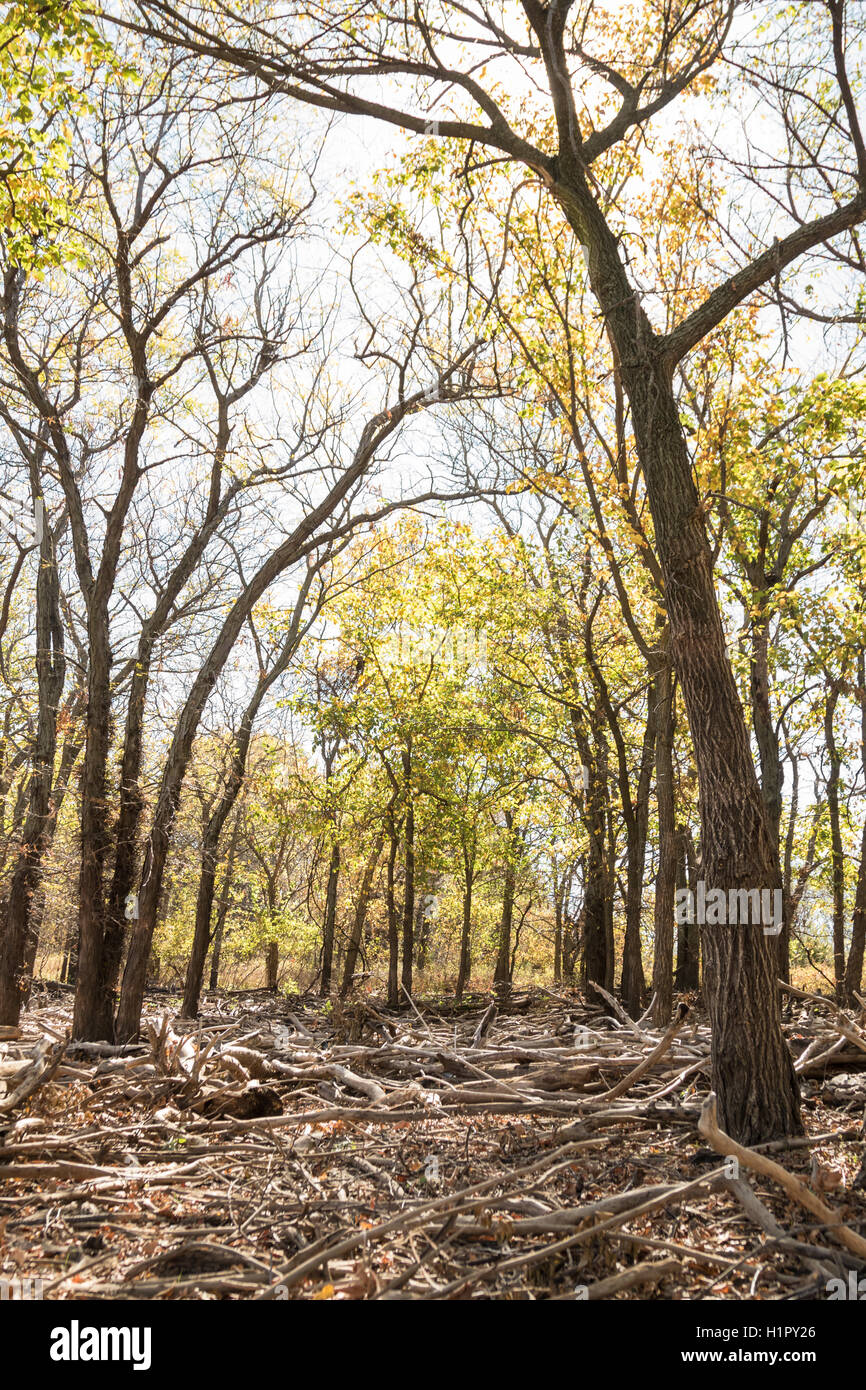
[[663, 935], [409, 881], [202, 934], [558, 897], [364, 895], [330, 927], [464, 969], [393, 928], [27, 876], [854, 967], [633, 983], [219, 929], [688, 935], [502, 972], [837, 854]]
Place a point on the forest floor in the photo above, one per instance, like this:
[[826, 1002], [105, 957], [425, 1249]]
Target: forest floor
[[288, 1148]]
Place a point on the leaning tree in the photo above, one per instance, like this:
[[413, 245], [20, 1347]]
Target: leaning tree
[[471, 73]]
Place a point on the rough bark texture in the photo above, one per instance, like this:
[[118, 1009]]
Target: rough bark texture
[[752, 1071], [18, 940]]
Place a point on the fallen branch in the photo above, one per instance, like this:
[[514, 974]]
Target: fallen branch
[[40, 1068], [758, 1163], [659, 1051]]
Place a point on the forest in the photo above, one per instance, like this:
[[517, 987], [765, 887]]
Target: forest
[[433, 650]]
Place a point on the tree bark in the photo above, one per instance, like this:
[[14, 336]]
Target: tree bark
[[365, 893], [663, 934], [502, 971], [837, 853], [16, 941], [330, 925], [688, 934], [854, 966], [409, 874], [391, 905], [464, 969], [752, 1071]]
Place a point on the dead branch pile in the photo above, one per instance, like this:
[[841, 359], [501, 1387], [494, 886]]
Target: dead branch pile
[[545, 1146]]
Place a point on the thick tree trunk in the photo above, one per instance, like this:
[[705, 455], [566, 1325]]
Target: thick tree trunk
[[94, 996], [752, 1071]]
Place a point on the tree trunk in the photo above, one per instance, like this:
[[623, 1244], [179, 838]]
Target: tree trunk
[[219, 934], [409, 882], [502, 972], [663, 935], [330, 928], [688, 934], [633, 983], [557, 933], [595, 888], [464, 968], [272, 965], [204, 908], [16, 945], [356, 935], [837, 853], [752, 1071], [854, 968], [94, 997], [393, 928]]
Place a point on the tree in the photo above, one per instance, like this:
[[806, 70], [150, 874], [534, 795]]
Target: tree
[[661, 57]]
